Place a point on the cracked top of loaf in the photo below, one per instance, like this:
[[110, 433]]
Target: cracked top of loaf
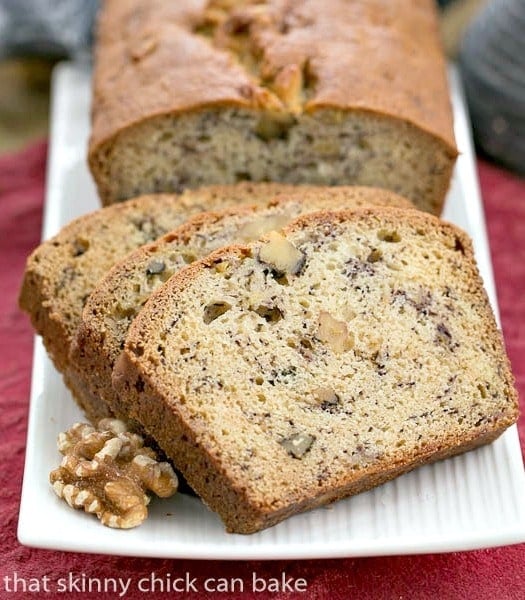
[[282, 56]]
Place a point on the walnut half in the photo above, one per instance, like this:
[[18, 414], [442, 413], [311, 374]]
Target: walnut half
[[107, 471]]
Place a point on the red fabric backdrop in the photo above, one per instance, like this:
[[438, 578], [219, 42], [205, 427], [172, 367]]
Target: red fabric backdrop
[[484, 574]]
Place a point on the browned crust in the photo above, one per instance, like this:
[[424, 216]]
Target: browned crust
[[156, 406], [33, 299], [145, 50]]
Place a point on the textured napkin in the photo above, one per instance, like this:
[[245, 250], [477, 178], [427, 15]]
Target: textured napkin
[[483, 574]]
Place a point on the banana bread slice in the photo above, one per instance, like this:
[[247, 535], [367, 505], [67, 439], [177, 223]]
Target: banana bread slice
[[120, 295], [62, 272], [318, 362]]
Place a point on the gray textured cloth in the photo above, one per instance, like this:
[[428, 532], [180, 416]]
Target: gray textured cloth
[[54, 28], [492, 59]]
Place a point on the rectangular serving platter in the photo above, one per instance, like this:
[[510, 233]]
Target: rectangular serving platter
[[470, 501]]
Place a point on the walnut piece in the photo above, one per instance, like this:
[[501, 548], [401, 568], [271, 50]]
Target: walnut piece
[[334, 333], [298, 444], [281, 255], [107, 471], [326, 396]]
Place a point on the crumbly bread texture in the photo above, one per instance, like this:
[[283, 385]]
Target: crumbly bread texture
[[120, 295], [319, 362], [61, 273], [317, 91]]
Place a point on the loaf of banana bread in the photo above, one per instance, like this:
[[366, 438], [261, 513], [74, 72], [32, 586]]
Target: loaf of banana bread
[[328, 92]]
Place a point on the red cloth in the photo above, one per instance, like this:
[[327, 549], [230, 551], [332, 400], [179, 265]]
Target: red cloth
[[484, 574]]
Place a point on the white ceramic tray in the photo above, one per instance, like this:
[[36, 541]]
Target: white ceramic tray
[[471, 501]]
